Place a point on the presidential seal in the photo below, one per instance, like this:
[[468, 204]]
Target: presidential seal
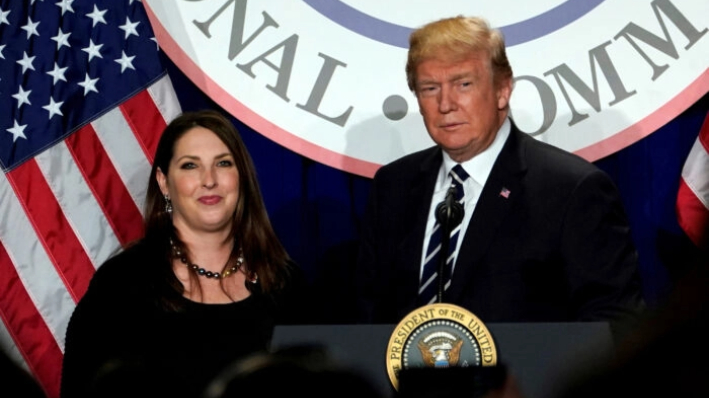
[[438, 336]]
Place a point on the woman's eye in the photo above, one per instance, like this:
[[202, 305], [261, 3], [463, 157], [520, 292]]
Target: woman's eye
[[188, 166], [225, 163]]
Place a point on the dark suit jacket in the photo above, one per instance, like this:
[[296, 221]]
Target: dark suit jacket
[[557, 249]]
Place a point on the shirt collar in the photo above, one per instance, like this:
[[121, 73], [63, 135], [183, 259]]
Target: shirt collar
[[480, 165]]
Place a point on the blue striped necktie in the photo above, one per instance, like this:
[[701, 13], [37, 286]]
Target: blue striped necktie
[[428, 288]]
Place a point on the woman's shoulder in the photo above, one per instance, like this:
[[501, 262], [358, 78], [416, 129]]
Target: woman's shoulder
[[291, 278], [294, 300], [114, 287], [125, 265]]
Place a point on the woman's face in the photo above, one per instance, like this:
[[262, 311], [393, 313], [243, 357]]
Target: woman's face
[[203, 183]]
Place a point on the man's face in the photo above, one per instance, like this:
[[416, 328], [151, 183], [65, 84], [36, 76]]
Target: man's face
[[461, 106]]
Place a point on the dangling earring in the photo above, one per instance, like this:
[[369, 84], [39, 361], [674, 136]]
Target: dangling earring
[[168, 204]]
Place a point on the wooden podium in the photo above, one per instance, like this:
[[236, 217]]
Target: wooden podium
[[538, 355]]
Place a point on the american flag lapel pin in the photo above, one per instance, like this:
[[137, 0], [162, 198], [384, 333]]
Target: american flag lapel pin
[[505, 193]]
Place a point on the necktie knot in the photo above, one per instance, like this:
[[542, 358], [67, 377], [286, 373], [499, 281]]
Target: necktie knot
[[458, 175]]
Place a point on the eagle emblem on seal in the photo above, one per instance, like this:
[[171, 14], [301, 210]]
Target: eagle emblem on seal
[[440, 349]]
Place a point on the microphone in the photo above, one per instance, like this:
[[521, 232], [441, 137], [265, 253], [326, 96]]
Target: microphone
[[449, 213]]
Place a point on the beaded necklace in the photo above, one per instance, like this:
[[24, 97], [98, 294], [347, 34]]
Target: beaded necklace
[[203, 272]]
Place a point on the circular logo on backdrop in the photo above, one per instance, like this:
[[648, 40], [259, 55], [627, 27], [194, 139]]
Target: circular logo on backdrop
[[439, 336], [326, 78], [533, 27]]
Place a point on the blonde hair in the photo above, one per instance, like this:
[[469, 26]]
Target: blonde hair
[[454, 39]]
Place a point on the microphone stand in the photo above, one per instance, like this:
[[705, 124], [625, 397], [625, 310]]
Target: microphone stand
[[445, 244], [449, 214]]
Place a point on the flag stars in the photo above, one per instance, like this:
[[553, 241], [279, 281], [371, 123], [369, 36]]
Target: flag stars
[[93, 50], [53, 107], [31, 28], [22, 97], [62, 39], [129, 27], [26, 62], [97, 16], [65, 5], [3, 16], [57, 73], [2, 47], [89, 85], [17, 131], [125, 61]]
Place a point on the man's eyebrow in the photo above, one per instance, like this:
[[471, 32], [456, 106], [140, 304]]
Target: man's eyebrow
[[426, 81], [458, 76], [462, 75]]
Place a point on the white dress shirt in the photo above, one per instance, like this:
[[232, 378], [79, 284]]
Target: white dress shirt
[[478, 168]]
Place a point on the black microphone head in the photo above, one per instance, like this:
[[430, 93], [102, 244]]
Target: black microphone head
[[441, 212], [456, 215], [449, 213]]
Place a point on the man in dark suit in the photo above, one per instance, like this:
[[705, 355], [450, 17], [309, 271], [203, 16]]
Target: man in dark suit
[[544, 237]]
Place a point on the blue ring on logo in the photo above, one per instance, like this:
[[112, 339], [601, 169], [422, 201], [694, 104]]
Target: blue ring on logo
[[397, 35]]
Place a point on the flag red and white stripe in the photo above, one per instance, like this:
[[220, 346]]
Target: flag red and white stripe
[[693, 195], [83, 100], [64, 213]]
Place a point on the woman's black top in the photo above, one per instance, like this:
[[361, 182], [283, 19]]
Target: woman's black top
[[121, 341]]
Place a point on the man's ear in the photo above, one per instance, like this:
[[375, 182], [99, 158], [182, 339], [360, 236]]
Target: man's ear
[[503, 94]]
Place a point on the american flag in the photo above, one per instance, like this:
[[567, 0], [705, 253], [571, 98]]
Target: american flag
[[693, 194], [83, 98], [505, 193]]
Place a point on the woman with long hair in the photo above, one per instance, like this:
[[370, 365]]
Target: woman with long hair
[[204, 286]]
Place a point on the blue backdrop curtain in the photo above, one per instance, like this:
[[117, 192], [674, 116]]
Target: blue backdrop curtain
[[316, 210]]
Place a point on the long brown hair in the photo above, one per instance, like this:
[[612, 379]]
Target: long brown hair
[[251, 228]]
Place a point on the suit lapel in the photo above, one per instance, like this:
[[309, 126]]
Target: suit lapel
[[414, 227], [502, 189]]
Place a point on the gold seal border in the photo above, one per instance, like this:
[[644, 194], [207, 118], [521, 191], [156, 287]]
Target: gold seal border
[[434, 312]]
